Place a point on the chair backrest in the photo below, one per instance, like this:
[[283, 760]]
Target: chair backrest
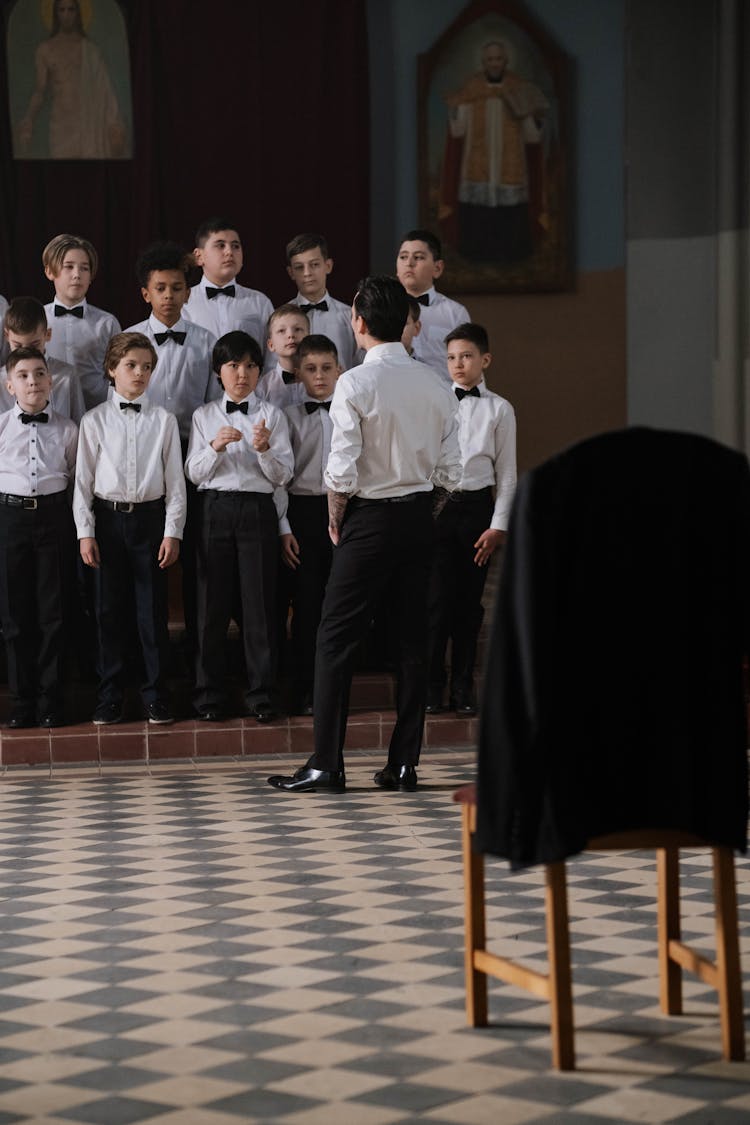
[[614, 687]]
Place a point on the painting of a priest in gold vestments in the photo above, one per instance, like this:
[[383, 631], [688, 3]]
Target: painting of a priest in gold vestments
[[495, 119]]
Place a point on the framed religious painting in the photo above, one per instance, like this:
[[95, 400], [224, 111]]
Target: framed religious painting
[[69, 80], [492, 152]]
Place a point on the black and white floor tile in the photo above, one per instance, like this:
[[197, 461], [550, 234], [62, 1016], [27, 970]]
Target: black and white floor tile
[[182, 945]]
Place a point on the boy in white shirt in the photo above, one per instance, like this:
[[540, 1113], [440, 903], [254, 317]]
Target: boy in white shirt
[[239, 452], [184, 380], [80, 331], [306, 548], [25, 326], [287, 327], [309, 265], [129, 509], [419, 264], [218, 302], [472, 525], [37, 540]]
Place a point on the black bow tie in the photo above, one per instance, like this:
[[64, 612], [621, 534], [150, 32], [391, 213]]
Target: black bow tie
[[227, 291], [424, 299], [322, 306], [60, 310], [311, 407], [288, 377], [232, 406], [26, 418], [461, 393], [162, 337], [131, 406]]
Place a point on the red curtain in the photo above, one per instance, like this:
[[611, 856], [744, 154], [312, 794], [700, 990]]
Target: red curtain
[[254, 110]]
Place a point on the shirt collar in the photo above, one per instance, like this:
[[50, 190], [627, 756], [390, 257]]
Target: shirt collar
[[18, 410], [300, 299], [142, 400], [253, 402], [394, 350], [79, 304], [205, 282], [157, 325]]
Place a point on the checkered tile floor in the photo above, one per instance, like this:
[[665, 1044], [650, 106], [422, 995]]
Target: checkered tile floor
[[185, 946]]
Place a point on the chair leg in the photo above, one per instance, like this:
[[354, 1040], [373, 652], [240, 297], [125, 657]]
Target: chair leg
[[560, 982], [668, 912], [728, 956], [474, 925]]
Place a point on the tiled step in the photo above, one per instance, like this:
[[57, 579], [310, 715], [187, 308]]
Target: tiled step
[[86, 744]]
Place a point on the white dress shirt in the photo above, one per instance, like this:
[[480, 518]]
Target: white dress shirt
[[438, 318], [272, 388], [66, 396], [487, 437], [394, 428], [129, 456], [248, 311], [83, 344], [336, 324], [183, 378], [310, 435], [239, 468], [36, 458]]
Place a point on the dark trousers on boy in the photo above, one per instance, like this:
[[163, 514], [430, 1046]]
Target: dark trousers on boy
[[237, 548], [37, 553], [129, 576], [382, 543], [456, 587], [308, 516]]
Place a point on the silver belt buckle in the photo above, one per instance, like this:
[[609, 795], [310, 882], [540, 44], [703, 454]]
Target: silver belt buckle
[[124, 506], [30, 503]]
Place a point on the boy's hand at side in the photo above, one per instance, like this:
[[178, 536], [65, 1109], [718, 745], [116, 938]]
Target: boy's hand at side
[[169, 552], [487, 544], [290, 552], [261, 437], [90, 552], [225, 436]]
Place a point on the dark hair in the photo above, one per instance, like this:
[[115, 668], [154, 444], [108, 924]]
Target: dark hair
[[316, 344], [383, 304], [308, 241], [163, 256], [426, 236], [235, 346], [474, 333], [211, 225], [414, 308], [23, 353], [119, 346], [24, 315]]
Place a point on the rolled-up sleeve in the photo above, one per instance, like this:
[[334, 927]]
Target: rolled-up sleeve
[[346, 440]]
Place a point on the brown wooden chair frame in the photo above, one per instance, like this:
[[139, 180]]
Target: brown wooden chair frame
[[723, 974]]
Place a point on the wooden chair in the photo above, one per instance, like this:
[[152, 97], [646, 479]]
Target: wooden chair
[[556, 986]]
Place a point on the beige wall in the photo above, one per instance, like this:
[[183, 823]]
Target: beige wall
[[559, 358]]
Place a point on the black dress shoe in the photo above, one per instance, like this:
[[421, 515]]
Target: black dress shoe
[[211, 714], [51, 719], [465, 704], [21, 717], [309, 780], [263, 712], [403, 778], [158, 713], [434, 704], [305, 705], [107, 713]]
